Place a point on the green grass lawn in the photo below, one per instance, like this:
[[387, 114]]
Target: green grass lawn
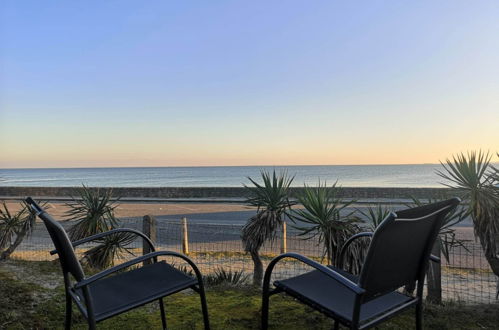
[[25, 303]]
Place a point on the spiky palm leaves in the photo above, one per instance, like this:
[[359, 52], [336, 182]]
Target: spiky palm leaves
[[375, 215], [14, 227], [272, 200], [476, 179], [110, 248], [322, 217], [226, 277], [94, 213]]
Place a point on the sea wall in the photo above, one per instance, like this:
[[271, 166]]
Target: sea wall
[[218, 192]]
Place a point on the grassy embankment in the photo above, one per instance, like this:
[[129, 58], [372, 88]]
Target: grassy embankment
[[32, 296]]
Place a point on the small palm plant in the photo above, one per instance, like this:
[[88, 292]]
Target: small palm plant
[[226, 277], [473, 177], [94, 213], [272, 201], [14, 227], [322, 216]]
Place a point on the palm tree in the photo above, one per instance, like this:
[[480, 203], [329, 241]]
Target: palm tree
[[14, 227], [477, 180], [94, 213], [322, 217], [272, 200]]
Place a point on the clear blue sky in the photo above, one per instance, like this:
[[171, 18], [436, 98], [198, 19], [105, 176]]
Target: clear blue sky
[[159, 83]]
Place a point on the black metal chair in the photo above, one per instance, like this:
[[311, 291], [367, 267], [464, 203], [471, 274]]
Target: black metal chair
[[101, 296], [397, 257]]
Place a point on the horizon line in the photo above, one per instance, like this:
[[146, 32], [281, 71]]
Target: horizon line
[[207, 166]]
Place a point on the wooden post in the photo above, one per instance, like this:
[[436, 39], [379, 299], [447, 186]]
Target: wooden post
[[284, 244], [434, 276], [185, 237], [149, 229]]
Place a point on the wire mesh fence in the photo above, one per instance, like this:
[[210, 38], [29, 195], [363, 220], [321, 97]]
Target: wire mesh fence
[[466, 276]]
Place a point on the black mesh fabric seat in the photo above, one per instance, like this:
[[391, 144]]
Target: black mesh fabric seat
[[397, 258], [118, 289], [333, 299], [114, 294]]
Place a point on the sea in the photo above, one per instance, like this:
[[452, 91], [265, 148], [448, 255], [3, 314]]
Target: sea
[[421, 175]]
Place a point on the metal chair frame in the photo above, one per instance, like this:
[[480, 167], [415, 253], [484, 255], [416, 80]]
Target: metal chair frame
[[70, 266]]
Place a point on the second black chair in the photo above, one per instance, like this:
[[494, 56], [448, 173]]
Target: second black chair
[[397, 257]]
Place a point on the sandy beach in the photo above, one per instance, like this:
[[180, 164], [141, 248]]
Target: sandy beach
[[58, 209], [216, 212]]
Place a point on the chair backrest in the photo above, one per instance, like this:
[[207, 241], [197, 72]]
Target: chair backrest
[[69, 261], [400, 248]]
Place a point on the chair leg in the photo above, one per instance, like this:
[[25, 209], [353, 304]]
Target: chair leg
[[91, 319], [265, 309], [204, 307], [162, 310], [419, 315], [69, 312], [91, 325]]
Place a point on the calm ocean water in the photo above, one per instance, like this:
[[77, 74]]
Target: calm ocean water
[[224, 176]]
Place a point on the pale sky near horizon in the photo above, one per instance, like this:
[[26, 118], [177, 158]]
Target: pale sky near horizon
[[199, 83]]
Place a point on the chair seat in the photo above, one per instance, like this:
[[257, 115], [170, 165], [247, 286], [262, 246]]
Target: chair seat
[[330, 297], [116, 294]]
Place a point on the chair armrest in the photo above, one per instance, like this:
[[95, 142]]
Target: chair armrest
[[323, 269], [347, 244], [434, 258], [152, 255], [110, 232]]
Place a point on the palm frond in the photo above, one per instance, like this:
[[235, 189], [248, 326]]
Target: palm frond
[[93, 211], [323, 216], [14, 227], [375, 215], [226, 277], [14, 224], [110, 248], [473, 175], [272, 201]]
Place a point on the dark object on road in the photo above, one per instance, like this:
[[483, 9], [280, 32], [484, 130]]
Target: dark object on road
[[398, 257], [99, 296]]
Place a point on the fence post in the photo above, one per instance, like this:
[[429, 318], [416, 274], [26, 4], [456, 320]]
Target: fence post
[[434, 276], [284, 244], [185, 237], [149, 229]]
